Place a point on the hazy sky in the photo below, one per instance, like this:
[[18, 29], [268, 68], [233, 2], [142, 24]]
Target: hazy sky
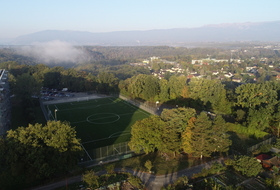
[[20, 17]]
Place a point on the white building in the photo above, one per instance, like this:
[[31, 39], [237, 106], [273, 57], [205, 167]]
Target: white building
[[5, 108]]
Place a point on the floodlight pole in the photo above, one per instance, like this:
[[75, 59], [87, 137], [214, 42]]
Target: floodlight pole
[[55, 114]]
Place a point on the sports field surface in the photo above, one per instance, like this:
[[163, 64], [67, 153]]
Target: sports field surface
[[99, 122]]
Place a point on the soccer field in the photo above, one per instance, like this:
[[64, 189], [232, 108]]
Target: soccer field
[[99, 122]]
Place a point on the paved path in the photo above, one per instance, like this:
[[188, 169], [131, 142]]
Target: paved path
[[152, 182]]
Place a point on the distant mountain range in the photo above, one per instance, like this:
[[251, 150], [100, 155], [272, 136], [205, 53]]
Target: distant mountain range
[[263, 32]]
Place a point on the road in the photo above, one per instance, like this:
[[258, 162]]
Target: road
[[152, 182]]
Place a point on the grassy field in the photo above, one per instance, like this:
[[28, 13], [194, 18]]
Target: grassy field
[[99, 122]]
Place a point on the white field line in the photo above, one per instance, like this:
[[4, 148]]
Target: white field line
[[86, 152], [105, 117]]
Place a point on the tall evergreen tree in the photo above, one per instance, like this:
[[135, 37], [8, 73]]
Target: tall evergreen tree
[[220, 141], [197, 138], [202, 136]]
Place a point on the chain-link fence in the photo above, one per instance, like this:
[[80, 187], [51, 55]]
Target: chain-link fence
[[152, 108], [106, 154], [256, 146], [45, 112]]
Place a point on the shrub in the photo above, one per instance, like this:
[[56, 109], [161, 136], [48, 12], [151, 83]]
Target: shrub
[[91, 179], [135, 181], [240, 129], [148, 165]]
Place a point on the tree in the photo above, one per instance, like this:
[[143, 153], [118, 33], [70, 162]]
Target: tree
[[176, 121], [261, 102], [137, 85], [42, 151], [146, 134], [107, 82], [163, 94], [148, 165], [260, 118], [176, 85], [248, 166], [180, 183], [25, 86], [240, 114], [177, 118], [151, 88], [255, 95], [91, 179], [52, 79], [197, 138], [161, 133], [212, 93], [221, 140], [203, 136], [110, 168], [38, 71]]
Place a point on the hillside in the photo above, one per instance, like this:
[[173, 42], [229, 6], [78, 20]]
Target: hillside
[[232, 32]]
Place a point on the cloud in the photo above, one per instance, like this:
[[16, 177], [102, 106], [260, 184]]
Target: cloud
[[54, 52]]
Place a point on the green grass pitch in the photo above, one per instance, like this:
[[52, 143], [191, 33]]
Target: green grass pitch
[[99, 122]]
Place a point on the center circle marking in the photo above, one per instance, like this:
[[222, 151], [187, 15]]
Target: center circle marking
[[110, 115]]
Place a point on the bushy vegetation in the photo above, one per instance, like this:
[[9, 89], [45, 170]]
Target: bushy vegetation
[[94, 181], [250, 132], [215, 168]]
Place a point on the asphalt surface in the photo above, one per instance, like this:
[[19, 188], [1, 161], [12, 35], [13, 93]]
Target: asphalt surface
[[152, 182], [78, 96]]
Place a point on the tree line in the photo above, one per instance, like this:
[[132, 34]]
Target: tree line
[[253, 105]]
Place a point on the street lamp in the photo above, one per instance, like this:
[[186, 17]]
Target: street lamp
[[55, 114], [157, 102]]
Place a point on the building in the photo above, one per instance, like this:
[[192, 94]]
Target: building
[[5, 108], [208, 61]]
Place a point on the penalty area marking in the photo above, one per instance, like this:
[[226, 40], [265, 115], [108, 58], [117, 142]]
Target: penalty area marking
[[111, 115]]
